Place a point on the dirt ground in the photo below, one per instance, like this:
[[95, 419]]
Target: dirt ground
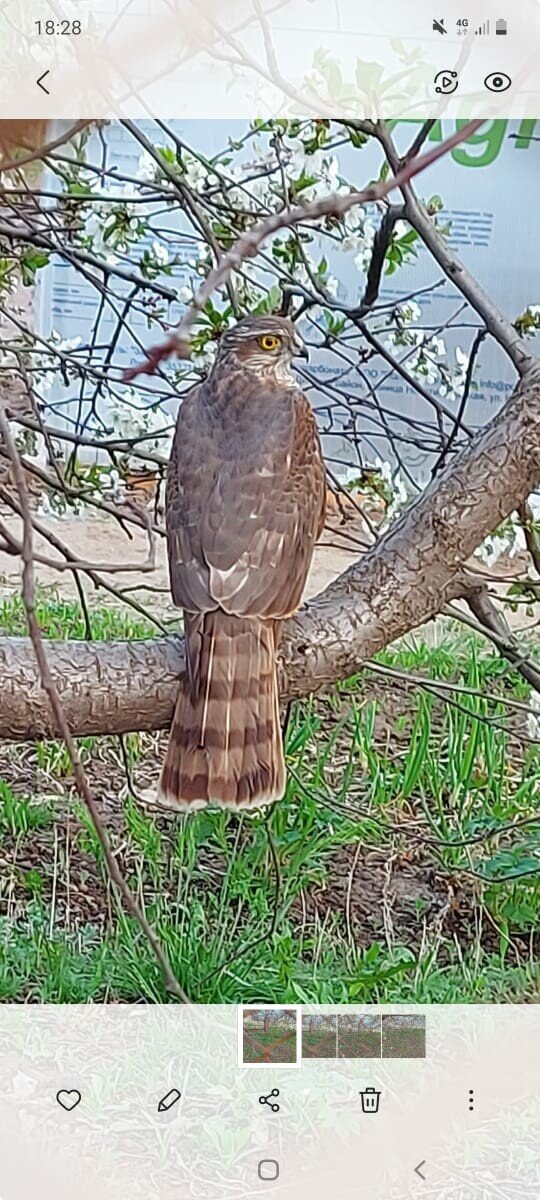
[[101, 541]]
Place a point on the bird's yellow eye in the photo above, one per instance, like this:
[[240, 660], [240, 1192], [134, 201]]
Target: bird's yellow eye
[[269, 342]]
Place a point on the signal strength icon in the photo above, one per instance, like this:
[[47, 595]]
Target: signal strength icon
[[482, 28]]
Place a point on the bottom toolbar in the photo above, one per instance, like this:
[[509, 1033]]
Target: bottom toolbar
[[153, 1103]]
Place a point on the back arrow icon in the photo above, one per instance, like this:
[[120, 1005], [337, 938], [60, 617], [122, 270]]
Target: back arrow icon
[[42, 85], [418, 1169]]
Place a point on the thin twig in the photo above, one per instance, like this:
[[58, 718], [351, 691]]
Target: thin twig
[[15, 164], [479, 338], [526, 517], [79, 774], [248, 244]]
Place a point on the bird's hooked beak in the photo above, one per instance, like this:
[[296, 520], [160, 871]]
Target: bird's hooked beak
[[301, 350]]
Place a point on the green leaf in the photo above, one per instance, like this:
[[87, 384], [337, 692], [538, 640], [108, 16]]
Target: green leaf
[[31, 261], [357, 138]]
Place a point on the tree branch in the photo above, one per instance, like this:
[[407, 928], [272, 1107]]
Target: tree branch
[[490, 621], [418, 217], [479, 338], [383, 237], [50, 689], [248, 244], [526, 517], [15, 134], [404, 580]]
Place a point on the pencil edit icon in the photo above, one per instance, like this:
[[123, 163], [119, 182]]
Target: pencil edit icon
[[169, 1100]]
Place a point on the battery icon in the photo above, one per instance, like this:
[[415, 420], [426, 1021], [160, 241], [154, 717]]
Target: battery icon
[[501, 27]]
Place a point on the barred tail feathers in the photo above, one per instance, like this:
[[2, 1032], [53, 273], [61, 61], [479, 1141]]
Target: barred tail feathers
[[225, 745]]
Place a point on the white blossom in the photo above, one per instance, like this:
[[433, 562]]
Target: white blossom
[[65, 344], [204, 358], [324, 168], [94, 229], [160, 252], [195, 173], [331, 285], [408, 312], [509, 542], [533, 716], [395, 483], [384, 469], [350, 474], [146, 168], [534, 505], [129, 421], [363, 257]]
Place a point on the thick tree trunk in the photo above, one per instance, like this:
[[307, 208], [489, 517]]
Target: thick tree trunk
[[408, 576]]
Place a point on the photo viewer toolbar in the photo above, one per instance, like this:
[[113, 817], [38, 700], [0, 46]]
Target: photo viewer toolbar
[[152, 1102]]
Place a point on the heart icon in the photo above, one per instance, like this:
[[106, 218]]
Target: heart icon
[[68, 1100]]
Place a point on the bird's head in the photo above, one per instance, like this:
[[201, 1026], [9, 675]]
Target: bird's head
[[263, 344]]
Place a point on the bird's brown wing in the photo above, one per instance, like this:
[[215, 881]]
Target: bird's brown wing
[[245, 500]]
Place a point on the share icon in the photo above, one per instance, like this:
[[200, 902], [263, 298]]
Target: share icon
[[268, 1099]]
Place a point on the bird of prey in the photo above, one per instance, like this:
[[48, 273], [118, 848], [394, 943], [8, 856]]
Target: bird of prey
[[245, 503]]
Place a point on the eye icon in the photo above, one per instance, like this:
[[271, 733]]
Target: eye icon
[[497, 82]]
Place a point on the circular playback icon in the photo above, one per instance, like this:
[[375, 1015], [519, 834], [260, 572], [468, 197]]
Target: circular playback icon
[[446, 82]]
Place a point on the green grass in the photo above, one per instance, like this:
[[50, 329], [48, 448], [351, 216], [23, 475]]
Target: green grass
[[403, 1043], [319, 1045], [366, 1044], [277, 1045], [251, 908], [64, 619]]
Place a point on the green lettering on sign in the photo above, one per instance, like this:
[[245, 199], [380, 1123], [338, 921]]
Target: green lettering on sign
[[489, 139], [525, 133], [483, 147]]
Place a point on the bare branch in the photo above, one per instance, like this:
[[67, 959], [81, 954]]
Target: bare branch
[[417, 216], [479, 338], [492, 623], [19, 133], [119, 687], [526, 516], [248, 244], [383, 237], [49, 687]]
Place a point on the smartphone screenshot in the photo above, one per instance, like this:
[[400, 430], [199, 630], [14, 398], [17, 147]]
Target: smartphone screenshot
[[269, 600]]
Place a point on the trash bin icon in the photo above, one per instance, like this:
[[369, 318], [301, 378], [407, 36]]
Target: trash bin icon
[[370, 1100]]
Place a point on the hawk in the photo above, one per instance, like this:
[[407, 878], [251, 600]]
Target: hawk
[[245, 502]]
